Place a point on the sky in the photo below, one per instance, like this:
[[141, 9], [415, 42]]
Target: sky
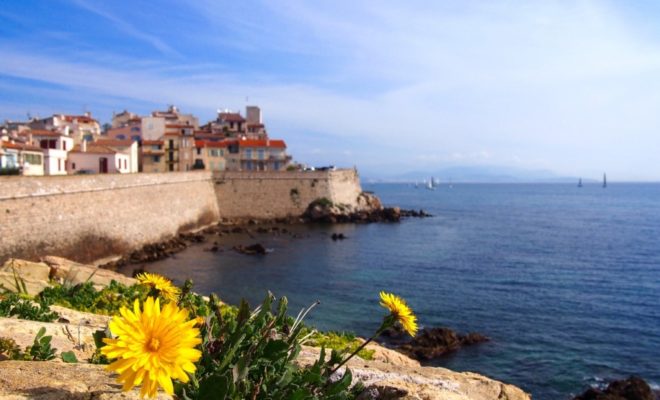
[[571, 87]]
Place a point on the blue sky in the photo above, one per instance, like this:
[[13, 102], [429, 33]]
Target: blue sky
[[567, 86]]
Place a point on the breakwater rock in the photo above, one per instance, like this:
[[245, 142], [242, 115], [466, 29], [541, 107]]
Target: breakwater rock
[[431, 343], [369, 209], [633, 388]]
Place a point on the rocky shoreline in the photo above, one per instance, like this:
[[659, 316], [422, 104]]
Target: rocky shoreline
[[321, 211]]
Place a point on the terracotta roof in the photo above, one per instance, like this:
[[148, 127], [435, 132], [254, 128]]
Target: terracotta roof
[[79, 118], [42, 132], [151, 142], [231, 117], [256, 125], [271, 143], [114, 142], [93, 149], [178, 126], [206, 143], [19, 146]]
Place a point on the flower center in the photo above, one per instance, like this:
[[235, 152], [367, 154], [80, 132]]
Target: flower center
[[154, 344]]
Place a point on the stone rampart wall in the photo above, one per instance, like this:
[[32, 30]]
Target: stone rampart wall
[[266, 195], [86, 217]]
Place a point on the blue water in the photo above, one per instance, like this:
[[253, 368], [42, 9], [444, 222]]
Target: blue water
[[565, 280]]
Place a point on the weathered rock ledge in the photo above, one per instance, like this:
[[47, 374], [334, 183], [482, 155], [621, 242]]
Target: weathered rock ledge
[[391, 375]]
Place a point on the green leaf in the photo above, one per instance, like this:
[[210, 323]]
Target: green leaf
[[98, 338], [69, 357], [275, 349], [215, 387], [243, 313]]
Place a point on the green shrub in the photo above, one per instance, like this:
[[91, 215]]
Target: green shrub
[[40, 350], [340, 341], [14, 305], [84, 297]]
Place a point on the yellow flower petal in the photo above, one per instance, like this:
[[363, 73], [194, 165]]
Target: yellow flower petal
[[400, 311], [153, 346]]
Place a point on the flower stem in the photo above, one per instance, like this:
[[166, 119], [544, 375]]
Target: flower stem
[[362, 346]]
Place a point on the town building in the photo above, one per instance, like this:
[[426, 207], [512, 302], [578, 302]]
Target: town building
[[80, 127], [263, 155], [152, 156], [88, 158], [127, 147], [179, 146], [21, 158], [154, 127], [210, 155], [55, 147]]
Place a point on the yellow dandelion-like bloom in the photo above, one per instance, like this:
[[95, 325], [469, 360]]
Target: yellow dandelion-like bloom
[[152, 346], [400, 311], [160, 283]]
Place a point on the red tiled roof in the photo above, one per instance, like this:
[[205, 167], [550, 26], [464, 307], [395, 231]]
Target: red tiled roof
[[178, 126], [41, 132], [80, 118], [19, 146], [93, 149], [152, 142], [231, 117], [114, 142], [274, 143], [206, 143]]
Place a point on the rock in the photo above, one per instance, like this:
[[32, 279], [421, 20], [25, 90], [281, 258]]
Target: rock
[[35, 275], [338, 236], [433, 343], [633, 388], [253, 249], [415, 214], [53, 380], [66, 336], [75, 273], [411, 381]]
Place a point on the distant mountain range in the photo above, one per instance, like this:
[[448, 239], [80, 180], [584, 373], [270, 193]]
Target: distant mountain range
[[484, 174]]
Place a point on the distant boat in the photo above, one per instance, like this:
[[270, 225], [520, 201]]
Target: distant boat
[[429, 185], [580, 183], [604, 181]]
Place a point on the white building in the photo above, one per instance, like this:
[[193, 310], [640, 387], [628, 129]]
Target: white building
[[127, 147], [55, 147], [92, 158]]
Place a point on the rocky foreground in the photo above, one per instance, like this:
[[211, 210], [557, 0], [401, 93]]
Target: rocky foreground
[[390, 375]]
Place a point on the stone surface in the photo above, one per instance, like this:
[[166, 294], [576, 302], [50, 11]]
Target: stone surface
[[35, 275], [410, 381], [74, 273], [54, 380]]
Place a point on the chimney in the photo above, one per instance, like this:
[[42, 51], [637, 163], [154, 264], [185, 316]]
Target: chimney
[[83, 146]]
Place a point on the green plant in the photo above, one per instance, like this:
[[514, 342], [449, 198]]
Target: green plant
[[323, 202], [250, 355], [9, 349], [84, 297], [341, 341], [14, 305], [41, 350], [69, 357]]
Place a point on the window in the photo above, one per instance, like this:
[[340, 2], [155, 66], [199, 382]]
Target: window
[[222, 153], [156, 159], [248, 153], [136, 138], [261, 153], [199, 151], [276, 166], [125, 164], [64, 145], [73, 165], [135, 129], [121, 137], [248, 165], [32, 159], [59, 164]]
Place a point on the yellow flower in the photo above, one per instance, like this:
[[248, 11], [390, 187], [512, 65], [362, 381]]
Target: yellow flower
[[400, 311], [160, 283], [152, 346]]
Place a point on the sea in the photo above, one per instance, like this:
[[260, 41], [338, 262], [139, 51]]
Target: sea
[[564, 280]]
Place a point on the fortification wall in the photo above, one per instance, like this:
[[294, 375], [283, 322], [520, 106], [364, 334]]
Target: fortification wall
[[265, 195], [86, 217]]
